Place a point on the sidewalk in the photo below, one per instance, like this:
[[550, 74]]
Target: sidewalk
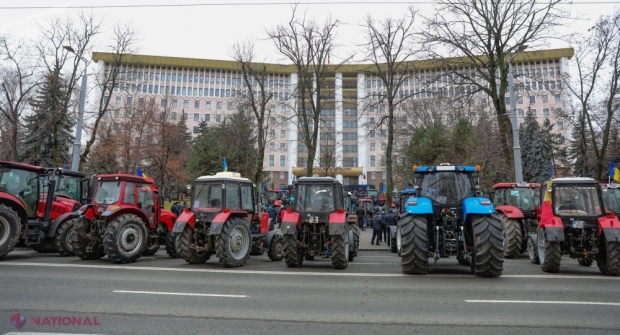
[[365, 237]]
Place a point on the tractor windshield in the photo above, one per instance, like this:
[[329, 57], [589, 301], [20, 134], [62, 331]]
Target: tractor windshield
[[372, 193], [571, 200], [70, 186], [611, 198], [446, 187], [314, 198], [22, 184], [524, 198], [108, 192], [207, 197], [273, 196]]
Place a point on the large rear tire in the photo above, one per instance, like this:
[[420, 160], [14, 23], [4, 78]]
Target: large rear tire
[[183, 248], [399, 239], [45, 246], [233, 244], [152, 247], [487, 259], [62, 244], [608, 259], [125, 239], [414, 244], [293, 257], [276, 248], [513, 236], [549, 253], [340, 251], [80, 239], [10, 229], [172, 242]]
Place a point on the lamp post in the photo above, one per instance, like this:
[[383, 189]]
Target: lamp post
[[513, 116], [75, 164]]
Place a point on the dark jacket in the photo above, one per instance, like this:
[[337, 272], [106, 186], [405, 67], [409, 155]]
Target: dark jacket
[[390, 219], [361, 212], [377, 222]]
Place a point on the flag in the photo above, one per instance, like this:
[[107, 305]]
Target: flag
[[139, 173], [383, 188], [225, 166], [64, 166], [614, 173], [546, 216], [364, 176], [551, 169]]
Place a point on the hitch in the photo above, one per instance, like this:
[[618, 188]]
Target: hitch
[[466, 254]]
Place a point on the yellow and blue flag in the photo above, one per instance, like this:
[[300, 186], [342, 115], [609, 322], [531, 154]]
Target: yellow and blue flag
[[225, 166], [614, 173], [139, 173]]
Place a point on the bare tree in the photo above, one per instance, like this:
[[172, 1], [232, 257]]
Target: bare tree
[[471, 40], [308, 46], [596, 86], [254, 97], [121, 49], [389, 47], [17, 85]]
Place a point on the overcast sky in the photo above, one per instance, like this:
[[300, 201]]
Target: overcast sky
[[209, 31]]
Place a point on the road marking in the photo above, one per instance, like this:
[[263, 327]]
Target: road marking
[[293, 272], [547, 302], [184, 294], [31, 333]]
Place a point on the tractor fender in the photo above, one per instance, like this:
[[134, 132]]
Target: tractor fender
[[337, 223], [534, 238], [554, 234], [269, 237], [290, 223], [419, 205], [186, 218], [52, 230], [612, 234], [218, 223], [511, 212], [112, 214], [476, 205], [608, 223], [168, 218], [13, 202]]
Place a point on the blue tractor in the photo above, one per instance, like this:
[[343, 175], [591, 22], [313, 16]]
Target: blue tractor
[[447, 218], [401, 202]]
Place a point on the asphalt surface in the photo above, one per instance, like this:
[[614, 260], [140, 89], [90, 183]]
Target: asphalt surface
[[158, 295]]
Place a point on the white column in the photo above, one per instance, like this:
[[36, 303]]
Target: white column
[[362, 133], [292, 129], [338, 113], [317, 156]]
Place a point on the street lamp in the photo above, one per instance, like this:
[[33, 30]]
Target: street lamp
[[75, 164], [513, 115]]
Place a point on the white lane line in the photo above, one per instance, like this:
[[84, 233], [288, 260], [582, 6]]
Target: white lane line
[[546, 302], [31, 333], [184, 294], [292, 273]]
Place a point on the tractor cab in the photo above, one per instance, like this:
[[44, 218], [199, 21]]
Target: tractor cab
[[404, 196], [317, 197], [223, 192], [524, 196], [611, 197], [69, 184], [20, 185]]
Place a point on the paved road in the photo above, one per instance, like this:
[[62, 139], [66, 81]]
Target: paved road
[[157, 295]]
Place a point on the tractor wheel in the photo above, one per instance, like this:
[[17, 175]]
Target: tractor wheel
[[182, 246], [152, 247], [532, 251], [585, 261], [608, 257], [233, 244], [513, 236], [487, 259], [10, 228], [292, 255], [163, 233], [549, 253], [352, 249], [414, 244], [80, 240], [125, 238], [393, 245], [340, 251], [62, 244], [45, 246], [257, 250], [399, 239], [172, 242], [276, 248]]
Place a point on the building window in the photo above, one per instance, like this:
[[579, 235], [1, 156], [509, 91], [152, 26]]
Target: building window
[[282, 133], [218, 105], [282, 163], [282, 146], [373, 175], [173, 117], [195, 130], [349, 148], [520, 100], [557, 98], [196, 104], [118, 100], [208, 105], [532, 99], [545, 99], [218, 118], [302, 148], [196, 117], [163, 102], [272, 120], [507, 100], [383, 160], [533, 111], [207, 117], [372, 120], [272, 145], [281, 176], [383, 145], [373, 161], [229, 106], [520, 113], [546, 112], [282, 109], [271, 159], [130, 100], [185, 116], [372, 146], [560, 125], [372, 133], [185, 103]]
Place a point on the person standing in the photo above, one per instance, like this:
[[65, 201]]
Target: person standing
[[390, 220], [361, 214], [377, 225], [384, 227]]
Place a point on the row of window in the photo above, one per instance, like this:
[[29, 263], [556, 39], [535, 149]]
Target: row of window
[[544, 98]]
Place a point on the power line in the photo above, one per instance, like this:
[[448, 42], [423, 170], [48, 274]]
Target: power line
[[269, 4]]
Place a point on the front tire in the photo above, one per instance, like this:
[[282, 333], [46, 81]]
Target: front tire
[[340, 251], [80, 240], [276, 248], [62, 243], [125, 239], [184, 250], [514, 238], [10, 229], [152, 247], [549, 253], [532, 251], [293, 257], [172, 242], [488, 250], [45, 246], [608, 259], [233, 244], [414, 244]]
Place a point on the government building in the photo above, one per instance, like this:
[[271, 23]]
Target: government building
[[352, 135]]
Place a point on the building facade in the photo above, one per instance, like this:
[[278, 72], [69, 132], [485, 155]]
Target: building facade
[[353, 140]]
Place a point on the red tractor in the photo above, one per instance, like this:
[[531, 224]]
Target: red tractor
[[34, 205], [611, 197], [516, 207], [574, 221], [319, 221], [125, 220], [223, 219]]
